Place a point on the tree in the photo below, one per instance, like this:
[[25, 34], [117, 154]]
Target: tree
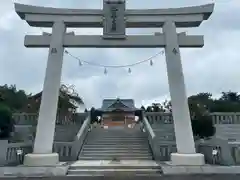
[[200, 104], [157, 107], [143, 108], [167, 105], [6, 122], [203, 126], [228, 102], [230, 96], [13, 98], [68, 93], [149, 109], [94, 115]]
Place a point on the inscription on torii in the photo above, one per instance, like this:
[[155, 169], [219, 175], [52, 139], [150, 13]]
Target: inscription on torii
[[114, 19]]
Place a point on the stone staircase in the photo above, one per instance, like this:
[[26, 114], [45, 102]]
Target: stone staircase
[[116, 144], [115, 152]]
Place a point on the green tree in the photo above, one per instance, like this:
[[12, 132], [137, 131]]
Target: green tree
[[143, 108], [230, 96], [228, 102], [68, 95], [6, 122], [157, 107], [203, 126], [200, 104], [167, 105], [149, 109], [13, 98], [94, 115]]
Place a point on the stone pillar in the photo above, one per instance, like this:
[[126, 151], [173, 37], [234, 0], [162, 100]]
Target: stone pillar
[[42, 154], [186, 153]]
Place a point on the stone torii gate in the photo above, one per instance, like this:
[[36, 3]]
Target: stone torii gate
[[114, 19]]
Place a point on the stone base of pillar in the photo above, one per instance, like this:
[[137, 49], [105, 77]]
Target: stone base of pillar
[[41, 159], [196, 159]]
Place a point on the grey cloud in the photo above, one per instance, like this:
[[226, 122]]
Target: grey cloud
[[212, 68]]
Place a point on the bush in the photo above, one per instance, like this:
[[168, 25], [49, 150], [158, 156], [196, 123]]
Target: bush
[[6, 122], [203, 126]]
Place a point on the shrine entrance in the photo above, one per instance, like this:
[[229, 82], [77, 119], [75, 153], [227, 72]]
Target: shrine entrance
[[118, 113], [114, 18]]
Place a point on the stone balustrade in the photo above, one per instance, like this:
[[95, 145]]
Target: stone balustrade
[[68, 150], [13, 157], [159, 118], [217, 117], [64, 149], [31, 119], [226, 118], [17, 151]]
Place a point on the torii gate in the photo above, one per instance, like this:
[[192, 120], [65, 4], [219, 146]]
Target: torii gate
[[114, 19]]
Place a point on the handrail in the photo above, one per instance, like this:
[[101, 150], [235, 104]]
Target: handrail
[[151, 139], [83, 127], [149, 128], [80, 137]]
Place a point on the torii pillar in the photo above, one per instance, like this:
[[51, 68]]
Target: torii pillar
[[186, 153], [114, 18]]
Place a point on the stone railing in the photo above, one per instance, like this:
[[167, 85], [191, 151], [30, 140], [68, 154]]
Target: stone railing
[[64, 149], [207, 150], [228, 152], [80, 138], [159, 118], [226, 118], [31, 119], [13, 157], [151, 138], [165, 149], [235, 151], [217, 117]]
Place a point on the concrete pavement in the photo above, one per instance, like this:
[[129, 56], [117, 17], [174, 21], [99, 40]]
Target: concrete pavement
[[164, 177]]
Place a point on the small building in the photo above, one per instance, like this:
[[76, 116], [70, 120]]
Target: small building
[[34, 101], [118, 112], [67, 106]]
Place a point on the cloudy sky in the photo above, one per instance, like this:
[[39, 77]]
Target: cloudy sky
[[213, 68]]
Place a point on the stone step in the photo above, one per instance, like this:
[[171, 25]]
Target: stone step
[[112, 153], [115, 165], [117, 138], [113, 172], [117, 132], [116, 143], [121, 144], [116, 150], [118, 157]]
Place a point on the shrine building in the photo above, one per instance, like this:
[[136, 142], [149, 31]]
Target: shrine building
[[118, 112]]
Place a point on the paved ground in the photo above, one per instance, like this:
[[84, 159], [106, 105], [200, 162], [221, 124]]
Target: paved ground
[[171, 177]]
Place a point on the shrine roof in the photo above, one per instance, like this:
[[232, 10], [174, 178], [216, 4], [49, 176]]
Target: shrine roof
[[121, 104]]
